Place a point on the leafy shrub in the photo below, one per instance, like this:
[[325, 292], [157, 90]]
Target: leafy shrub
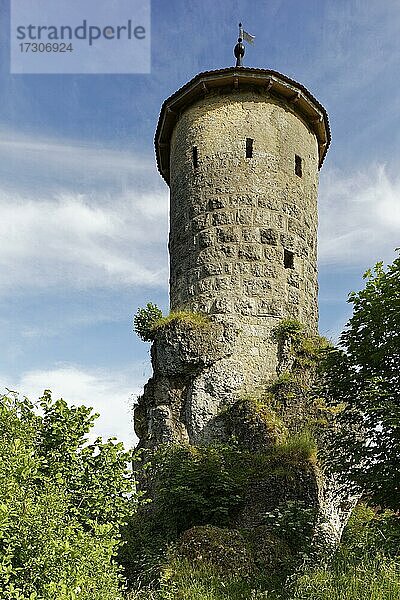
[[288, 329], [375, 579], [292, 521], [369, 532], [300, 446], [195, 486], [144, 321], [61, 504], [366, 564], [149, 320], [363, 373]]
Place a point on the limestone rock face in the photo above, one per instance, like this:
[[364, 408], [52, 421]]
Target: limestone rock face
[[195, 375], [197, 396]]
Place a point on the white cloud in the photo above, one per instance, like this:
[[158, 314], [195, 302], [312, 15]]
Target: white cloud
[[79, 216], [81, 242], [109, 393], [46, 160], [359, 217]]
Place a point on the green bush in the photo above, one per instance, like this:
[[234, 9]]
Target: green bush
[[293, 522], [370, 532], [61, 504], [366, 564], [375, 579], [365, 567], [149, 320], [299, 447], [144, 321], [195, 486]]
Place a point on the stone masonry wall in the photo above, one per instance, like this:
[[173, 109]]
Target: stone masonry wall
[[232, 218]]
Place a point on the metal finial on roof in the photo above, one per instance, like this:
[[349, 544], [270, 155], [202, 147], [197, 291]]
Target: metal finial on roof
[[239, 49]]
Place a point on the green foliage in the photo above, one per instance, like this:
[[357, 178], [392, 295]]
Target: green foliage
[[288, 329], [306, 350], [292, 521], [364, 374], [206, 485], [375, 579], [194, 486], [225, 549], [144, 321], [203, 486], [295, 393], [61, 504], [370, 532], [190, 486], [149, 320], [180, 581], [366, 565], [253, 424]]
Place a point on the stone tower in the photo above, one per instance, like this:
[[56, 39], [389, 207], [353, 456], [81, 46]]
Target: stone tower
[[240, 149]]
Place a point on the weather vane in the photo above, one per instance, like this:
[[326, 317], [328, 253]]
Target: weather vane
[[239, 48]]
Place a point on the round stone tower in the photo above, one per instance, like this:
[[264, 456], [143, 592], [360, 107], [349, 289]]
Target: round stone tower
[[241, 149]]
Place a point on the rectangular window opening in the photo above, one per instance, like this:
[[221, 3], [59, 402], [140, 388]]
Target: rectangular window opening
[[298, 167], [249, 148], [195, 155], [288, 259]]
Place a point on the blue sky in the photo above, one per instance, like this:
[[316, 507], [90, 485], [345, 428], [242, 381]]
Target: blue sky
[[84, 212]]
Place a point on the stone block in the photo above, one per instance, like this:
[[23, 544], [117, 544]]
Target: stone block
[[242, 268], [257, 287], [204, 239], [211, 269], [230, 251], [250, 252], [269, 202], [199, 223], [217, 203], [223, 218], [244, 216], [269, 236], [228, 234], [250, 234], [246, 307], [206, 286]]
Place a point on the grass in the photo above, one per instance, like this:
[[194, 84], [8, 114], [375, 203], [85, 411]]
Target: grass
[[369, 579], [299, 446], [180, 581], [182, 316]]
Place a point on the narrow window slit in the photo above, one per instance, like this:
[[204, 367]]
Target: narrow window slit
[[288, 259], [249, 148], [298, 167], [195, 156]]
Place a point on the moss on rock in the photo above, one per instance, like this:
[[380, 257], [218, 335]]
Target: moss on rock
[[253, 424], [224, 549]]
